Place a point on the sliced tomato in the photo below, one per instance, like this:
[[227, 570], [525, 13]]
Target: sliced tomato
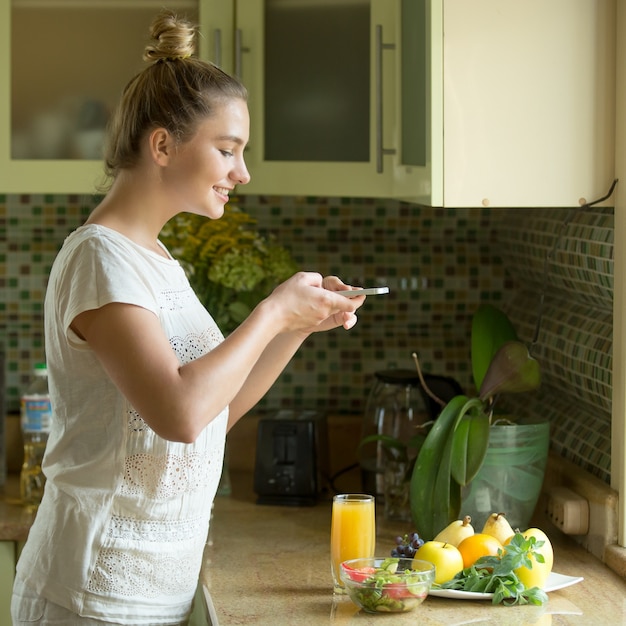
[[359, 574], [397, 591]]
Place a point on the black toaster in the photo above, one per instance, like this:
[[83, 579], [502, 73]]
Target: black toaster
[[291, 458]]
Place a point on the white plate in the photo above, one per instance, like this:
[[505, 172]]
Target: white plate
[[555, 581]]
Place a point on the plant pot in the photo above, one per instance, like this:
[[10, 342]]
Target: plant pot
[[511, 477]]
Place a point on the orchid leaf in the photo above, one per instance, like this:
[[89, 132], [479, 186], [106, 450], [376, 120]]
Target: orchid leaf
[[491, 328], [427, 506], [435, 495], [469, 446], [512, 370], [445, 483], [393, 448]]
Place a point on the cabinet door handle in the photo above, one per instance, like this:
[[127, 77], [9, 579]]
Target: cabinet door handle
[[217, 53], [239, 50], [380, 46]]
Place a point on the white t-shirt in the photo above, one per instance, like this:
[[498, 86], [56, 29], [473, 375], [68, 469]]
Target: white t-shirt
[[124, 520]]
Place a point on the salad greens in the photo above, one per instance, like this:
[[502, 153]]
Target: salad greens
[[496, 574], [386, 589]]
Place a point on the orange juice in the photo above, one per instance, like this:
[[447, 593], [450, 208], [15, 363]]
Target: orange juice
[[353, 530]]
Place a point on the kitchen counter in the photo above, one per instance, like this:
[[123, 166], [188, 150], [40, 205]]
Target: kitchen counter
[[270, 565]]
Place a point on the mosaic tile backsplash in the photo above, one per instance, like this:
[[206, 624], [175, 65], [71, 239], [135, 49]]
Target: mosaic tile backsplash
[[439, 264], [575, 339]]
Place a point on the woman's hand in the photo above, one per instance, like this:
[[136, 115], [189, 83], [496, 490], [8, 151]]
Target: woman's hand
[[306, 303], [347, 319], [298, 307]]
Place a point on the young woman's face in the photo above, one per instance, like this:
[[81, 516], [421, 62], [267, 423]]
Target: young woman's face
[[205, 169]]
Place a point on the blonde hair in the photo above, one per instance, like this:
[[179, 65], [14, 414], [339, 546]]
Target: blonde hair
[[176, 91]]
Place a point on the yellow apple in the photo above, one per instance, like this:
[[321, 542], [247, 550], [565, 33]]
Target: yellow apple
[[444, 556], [546, 549], [538, 574]]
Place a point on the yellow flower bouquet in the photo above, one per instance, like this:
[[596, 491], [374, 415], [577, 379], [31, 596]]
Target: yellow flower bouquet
[[230, 265]]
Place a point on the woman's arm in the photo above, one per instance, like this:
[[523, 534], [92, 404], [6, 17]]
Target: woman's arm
[[277, 355], [179, 401]]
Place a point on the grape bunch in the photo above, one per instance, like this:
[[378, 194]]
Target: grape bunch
[[407, 546]]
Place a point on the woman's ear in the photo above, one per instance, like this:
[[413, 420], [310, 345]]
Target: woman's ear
[[160, 145]]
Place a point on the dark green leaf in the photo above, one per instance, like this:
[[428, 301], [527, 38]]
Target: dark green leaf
[[470, 442], [512, 370], [491, 328], [429, 507]]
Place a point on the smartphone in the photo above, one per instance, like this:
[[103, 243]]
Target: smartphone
[[372, 291]]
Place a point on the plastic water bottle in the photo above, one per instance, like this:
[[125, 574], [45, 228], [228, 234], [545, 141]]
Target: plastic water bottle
[[36, 417]]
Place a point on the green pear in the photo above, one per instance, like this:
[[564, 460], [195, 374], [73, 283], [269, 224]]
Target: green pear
[[498, 526], [456, 531]]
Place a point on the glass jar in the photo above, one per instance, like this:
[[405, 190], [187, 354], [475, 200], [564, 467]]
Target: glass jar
[[396, 408]]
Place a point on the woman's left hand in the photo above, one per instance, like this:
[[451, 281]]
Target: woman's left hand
[[346, 319]]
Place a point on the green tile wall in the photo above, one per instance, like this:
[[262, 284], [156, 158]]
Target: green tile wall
[[574, 345], [439, 264]]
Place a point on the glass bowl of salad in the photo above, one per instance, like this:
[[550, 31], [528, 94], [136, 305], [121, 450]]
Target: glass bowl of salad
[[387, 585]]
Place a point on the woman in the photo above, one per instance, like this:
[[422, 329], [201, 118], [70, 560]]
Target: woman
[[143, 385]]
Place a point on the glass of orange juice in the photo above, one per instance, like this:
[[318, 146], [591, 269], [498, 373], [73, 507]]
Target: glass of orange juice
[[352, 531]]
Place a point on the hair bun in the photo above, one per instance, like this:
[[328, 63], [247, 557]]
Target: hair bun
[[172, 37]]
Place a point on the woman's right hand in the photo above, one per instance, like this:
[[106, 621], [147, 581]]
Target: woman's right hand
[[306, 303]]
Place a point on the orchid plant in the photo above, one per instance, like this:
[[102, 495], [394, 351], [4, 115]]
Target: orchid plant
[[455, 447]]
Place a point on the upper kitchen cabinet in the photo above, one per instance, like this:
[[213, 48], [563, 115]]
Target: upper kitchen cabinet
[[64, 65], [520, 102], [456, 103], [322, 87]]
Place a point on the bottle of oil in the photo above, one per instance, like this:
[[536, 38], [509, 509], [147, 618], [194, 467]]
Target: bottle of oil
[[36, 417]]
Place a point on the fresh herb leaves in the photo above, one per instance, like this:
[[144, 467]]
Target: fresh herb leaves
[[496, 574]]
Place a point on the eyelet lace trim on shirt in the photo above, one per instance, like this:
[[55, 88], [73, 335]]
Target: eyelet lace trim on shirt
[[165, 531], [194, 345], [175, 299], [147, 576], [136, 423], [162, 477]]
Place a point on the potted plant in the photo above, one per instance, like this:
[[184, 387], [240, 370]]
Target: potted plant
[[230, 265], [454, 449]]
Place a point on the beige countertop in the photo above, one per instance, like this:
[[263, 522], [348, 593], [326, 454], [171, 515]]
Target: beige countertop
[[270, 565]]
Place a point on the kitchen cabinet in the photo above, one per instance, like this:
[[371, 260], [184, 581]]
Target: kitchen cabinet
[[64, 65], [462, 103], [521, 103], [52, 84], [322, 84], [470, 102]]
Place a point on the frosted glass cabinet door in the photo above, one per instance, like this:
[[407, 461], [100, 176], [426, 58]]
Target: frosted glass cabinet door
[[64, 65], [322, 115], [318, 109]]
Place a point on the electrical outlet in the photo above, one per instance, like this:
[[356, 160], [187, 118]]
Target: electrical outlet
[[568, 511]]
